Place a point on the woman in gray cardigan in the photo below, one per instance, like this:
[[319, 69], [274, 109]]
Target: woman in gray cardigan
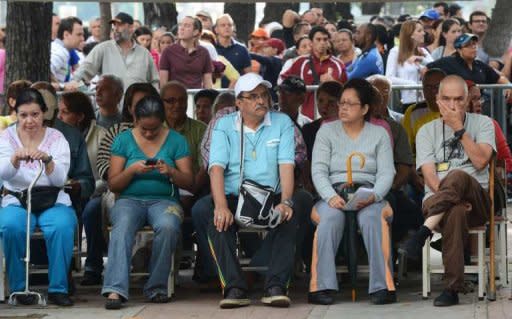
[[334, 143]]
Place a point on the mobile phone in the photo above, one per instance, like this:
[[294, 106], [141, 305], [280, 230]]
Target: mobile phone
[[151, 162]]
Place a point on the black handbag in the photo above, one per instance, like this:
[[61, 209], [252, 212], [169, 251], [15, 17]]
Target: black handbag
[[43, 197], [255, 201]]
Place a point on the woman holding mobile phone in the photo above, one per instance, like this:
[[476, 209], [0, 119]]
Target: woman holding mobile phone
[[407, 61], [148, 165]]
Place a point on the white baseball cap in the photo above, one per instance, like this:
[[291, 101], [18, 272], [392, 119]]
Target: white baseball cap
[[249, 82]]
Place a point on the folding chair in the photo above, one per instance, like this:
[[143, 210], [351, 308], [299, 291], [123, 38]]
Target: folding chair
[[479, 269]]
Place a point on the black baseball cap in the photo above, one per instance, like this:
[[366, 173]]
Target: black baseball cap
[[122, 18], [293, 84]]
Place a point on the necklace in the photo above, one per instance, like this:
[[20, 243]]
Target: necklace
[[253, 144]]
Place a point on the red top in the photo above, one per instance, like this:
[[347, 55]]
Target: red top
[[301, 67], [502, 147]]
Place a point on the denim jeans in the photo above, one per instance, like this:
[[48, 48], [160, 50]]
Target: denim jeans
[[127, 217], [58, 225], [91, 217]]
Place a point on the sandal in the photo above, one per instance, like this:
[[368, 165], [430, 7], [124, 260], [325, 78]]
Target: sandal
[[159, 298]]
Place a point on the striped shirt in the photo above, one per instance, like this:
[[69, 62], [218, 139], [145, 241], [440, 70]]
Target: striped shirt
[[105, 151]]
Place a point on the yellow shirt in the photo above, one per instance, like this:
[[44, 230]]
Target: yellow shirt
[[6, 121], [230, 72], [415, 117]]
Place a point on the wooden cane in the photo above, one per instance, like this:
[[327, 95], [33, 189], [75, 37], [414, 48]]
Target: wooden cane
[[349, 165]]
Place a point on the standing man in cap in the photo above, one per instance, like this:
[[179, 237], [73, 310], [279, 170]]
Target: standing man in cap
[[121, 56], [206, 19], [268, 160]]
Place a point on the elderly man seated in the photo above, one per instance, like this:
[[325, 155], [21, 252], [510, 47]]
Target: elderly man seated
[[453, 153]]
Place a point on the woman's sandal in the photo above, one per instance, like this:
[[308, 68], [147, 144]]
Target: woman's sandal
[[159, 298], [113, 304]]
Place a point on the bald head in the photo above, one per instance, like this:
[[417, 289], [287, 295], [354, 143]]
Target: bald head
[[453, 83]]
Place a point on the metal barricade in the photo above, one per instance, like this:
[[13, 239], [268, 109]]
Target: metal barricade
[[495, 107]]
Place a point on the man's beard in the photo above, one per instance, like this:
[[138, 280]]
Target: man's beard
[[122, 36]]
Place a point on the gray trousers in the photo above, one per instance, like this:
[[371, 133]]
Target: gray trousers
[[374, 223]]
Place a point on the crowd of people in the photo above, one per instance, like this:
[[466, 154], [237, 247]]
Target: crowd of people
[[131, 156]]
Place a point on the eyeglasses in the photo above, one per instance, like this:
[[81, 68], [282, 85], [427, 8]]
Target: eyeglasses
[[254, 96], [348, 104], [173, 100], [470, 45]]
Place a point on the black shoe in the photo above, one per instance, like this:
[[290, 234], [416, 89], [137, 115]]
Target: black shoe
[[446, 298], [26, 300], [60, 299], [383, 297], [113, 304], [91, 279], [159, 298], [321, 297], [234, 298], [437, 245], [276, 296], [412, 248]]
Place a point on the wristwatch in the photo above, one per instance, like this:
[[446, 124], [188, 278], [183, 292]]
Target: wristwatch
[[288, 202], [458, 134]]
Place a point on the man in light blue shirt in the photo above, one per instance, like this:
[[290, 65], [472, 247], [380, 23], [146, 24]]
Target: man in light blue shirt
[[370, 61], [269, 157]]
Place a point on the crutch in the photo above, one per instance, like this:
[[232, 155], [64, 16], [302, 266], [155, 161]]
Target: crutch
[[40, 298]]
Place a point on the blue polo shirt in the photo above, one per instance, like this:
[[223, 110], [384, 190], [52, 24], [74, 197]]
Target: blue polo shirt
[[237, 54], [368, 63], [273, 143]]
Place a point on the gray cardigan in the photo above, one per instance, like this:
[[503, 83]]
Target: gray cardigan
[[332, 148]]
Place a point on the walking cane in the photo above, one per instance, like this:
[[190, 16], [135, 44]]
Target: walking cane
[[40, 299], [352, 224], [491, 295]]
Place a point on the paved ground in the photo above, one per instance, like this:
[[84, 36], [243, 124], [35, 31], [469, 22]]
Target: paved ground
[[190, 303]]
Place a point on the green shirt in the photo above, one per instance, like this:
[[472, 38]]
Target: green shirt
[[151, 185], [193, 132]]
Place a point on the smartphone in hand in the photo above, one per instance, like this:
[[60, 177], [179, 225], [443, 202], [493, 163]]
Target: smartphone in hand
[[151, 162]]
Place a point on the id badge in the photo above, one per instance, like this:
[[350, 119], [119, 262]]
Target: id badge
[[442, 167]]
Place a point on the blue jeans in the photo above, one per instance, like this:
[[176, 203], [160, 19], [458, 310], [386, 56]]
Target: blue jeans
[[127, 217], [91, 217], [58, 225]]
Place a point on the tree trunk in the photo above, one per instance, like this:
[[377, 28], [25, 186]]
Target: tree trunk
[[497, 38], [244, 15], [160, 14], [105, 17], [274, 11], [372, 8], [28, 41]]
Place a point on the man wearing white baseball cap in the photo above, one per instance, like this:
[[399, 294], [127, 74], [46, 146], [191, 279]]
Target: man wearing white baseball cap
[[268, 159]]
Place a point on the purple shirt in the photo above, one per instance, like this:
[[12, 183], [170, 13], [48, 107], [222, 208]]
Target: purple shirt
[[187, 68]]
